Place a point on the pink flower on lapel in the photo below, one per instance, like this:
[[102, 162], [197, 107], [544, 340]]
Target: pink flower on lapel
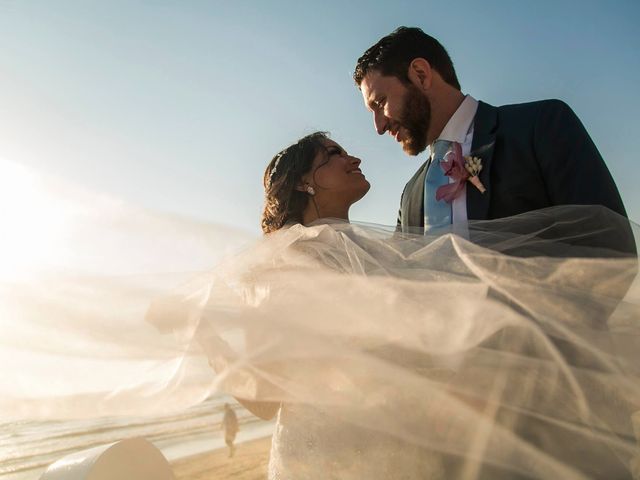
[[453, 166], [460, 169]]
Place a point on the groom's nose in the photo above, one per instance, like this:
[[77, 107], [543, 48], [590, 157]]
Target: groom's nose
[[380, 122]]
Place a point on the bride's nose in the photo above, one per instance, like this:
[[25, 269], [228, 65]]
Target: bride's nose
[[355, 161]]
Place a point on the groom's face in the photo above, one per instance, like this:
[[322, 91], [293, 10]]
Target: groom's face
[[400, 109]]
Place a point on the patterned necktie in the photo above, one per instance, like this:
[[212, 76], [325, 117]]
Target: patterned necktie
[[436, 213]]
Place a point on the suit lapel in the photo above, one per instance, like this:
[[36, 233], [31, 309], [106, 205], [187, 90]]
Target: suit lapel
[[413, 200], [484, 135]]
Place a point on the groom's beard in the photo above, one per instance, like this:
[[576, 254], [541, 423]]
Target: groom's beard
[[415, 119]]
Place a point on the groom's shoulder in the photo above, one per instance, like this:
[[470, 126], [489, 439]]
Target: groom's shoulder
[[535, 107], [519, 116]]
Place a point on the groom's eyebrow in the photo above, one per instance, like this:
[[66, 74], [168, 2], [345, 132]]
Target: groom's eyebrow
[[371, 102], [368, 98]]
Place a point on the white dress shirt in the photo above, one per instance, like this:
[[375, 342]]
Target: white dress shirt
[[459, 129]]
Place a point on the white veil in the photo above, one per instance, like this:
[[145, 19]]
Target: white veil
[[508, 347]]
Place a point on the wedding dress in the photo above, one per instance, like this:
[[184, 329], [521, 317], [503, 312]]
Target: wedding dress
[[508, 349]]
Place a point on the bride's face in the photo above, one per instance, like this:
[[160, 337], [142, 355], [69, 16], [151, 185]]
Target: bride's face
[[336, 176]]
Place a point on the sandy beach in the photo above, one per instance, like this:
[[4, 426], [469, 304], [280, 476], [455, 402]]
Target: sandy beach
[[249, 463]]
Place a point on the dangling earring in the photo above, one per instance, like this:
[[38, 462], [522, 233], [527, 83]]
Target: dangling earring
[[310, 190]]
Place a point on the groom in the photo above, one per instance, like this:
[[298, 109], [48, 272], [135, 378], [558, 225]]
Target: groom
[[533, 155]]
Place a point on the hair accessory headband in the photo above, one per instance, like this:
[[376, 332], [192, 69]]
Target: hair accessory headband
[[275, 166]]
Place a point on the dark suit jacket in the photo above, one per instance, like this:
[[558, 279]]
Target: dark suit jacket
[[540, 155]]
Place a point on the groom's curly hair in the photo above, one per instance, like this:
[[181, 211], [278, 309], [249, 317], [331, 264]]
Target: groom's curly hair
[[283, 202], [393, 54]]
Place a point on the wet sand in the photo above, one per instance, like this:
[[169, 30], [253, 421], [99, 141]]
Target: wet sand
[[249, 463]]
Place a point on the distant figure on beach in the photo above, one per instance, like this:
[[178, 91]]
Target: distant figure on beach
[[230, 426]]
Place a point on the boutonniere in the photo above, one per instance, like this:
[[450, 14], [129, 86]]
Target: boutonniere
[[461, 169], [473, 165]]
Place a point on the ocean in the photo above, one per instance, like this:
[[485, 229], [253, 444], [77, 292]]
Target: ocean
[[28, 448]]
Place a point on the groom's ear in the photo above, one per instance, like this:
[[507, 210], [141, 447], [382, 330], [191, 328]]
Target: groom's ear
[[420, 73]]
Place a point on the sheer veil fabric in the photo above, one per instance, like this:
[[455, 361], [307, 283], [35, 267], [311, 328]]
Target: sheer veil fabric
[[506, 349]]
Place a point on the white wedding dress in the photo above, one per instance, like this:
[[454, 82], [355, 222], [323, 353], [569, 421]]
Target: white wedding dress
[[311, 444], [511, 353]]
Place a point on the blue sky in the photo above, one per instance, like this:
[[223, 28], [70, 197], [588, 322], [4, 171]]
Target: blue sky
[[179, 105]]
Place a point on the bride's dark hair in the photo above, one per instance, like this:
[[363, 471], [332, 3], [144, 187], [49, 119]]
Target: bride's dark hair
[[283, 203]]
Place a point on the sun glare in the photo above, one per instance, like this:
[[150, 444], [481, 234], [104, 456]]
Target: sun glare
[[33, 222]]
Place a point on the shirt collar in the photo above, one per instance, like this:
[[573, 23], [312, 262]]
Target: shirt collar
[[461, 121]]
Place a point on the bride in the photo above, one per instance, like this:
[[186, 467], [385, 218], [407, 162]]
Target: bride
[[387, 355], [312, 181]]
